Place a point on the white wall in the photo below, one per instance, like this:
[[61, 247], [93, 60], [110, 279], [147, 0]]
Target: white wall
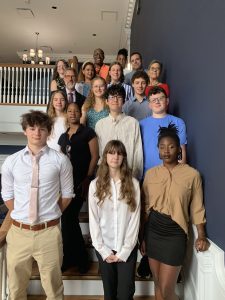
[[10, 116]]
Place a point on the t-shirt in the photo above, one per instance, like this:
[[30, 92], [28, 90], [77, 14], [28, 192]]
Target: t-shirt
[[149, 132]]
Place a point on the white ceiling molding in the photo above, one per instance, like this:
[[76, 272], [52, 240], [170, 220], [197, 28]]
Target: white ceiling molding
[[130, 13]]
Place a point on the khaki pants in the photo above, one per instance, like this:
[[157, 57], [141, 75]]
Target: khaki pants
[[45, 246]]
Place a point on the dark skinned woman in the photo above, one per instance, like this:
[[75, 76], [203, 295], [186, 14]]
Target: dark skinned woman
[[173, 198]]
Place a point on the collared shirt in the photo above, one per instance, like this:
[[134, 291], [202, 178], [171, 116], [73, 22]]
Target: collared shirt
[[128, 90], [137, 109], [55, 178], [126, 129], [71, 92], [149, 133], [112, 225], [177, 193]]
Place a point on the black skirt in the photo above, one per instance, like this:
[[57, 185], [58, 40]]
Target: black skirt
[[165, 240]]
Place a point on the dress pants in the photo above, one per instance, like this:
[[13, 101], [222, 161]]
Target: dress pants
[[74, 250], [119, 278], [23, 247]]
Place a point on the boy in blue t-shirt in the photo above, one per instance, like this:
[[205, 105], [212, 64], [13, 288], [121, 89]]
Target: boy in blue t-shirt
[[158, 103]]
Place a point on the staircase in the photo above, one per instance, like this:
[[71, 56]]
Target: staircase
[[89, 286]]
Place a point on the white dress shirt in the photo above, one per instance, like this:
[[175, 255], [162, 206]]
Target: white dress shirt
[[112, 225], [55, 178], [127, 130], [59, 127]]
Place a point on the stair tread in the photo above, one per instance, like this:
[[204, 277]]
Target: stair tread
[[73, 273], [83, 217], [40, 297]]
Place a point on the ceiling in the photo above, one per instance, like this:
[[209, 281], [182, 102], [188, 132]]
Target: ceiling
[[67, 30]]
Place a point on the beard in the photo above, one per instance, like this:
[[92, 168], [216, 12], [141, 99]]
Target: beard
[[70, 85]]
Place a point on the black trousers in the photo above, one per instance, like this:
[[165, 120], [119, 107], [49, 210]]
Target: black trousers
[[75, 253], [119, 278]]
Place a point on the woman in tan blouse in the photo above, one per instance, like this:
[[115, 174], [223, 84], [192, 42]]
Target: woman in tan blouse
[[173, 196]]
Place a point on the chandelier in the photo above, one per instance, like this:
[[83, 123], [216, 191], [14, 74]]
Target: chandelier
[[36, 56]]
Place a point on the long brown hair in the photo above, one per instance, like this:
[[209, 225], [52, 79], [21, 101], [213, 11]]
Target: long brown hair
[[90, 100], [103, 187]]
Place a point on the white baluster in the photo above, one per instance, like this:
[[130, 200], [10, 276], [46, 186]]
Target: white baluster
[[4, 86], [28, 86], [8, 87], [40, 99], [24, 84], [44, 88], [13, 85], [32, 87], [17, 78], [36, 86], [20, 89]]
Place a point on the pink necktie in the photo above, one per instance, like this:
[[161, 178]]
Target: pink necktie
[[33, 207], [70, 97]]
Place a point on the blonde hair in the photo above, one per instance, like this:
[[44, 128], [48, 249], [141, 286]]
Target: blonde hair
[[103, 187], [90, 100], [51, 110]]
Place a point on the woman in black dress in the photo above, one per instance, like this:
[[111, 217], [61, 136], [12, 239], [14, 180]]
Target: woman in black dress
[[173, 196], [80, 144]]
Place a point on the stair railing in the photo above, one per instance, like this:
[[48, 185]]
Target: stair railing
[[25, 84]]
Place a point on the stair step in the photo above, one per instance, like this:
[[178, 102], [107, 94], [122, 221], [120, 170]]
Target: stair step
[[40, 297], [91, 283], [73, 273], [83, 217]]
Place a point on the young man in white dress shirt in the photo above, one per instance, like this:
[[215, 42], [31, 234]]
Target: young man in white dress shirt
[[118, 126], [35, 233]]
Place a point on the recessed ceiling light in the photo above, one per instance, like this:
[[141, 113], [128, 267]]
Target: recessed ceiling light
[[54, 7]]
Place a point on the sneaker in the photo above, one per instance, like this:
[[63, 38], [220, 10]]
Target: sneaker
[[143, 270]]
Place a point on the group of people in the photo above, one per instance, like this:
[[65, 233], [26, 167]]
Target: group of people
[[106, 137]]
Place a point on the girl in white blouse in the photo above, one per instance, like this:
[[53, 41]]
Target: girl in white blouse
[[57, 111], [114, 216]]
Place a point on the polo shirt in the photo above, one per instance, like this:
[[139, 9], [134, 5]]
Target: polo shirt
[[136, 109]]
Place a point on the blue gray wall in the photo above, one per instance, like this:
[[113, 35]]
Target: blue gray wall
[[189, 38]]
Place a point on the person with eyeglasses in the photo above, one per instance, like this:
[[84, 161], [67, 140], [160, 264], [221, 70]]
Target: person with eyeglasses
[[70, 79], [118, 126], [158, 103], [154, 72]]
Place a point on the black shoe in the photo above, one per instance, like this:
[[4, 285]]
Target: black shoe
[[143, 270]]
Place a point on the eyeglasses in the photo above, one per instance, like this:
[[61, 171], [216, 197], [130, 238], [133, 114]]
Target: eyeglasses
[[156, 100], [155, 69], [116, 97], [70, 76]]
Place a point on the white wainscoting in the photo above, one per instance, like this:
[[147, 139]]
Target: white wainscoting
[[10, 116], [204, 273]]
